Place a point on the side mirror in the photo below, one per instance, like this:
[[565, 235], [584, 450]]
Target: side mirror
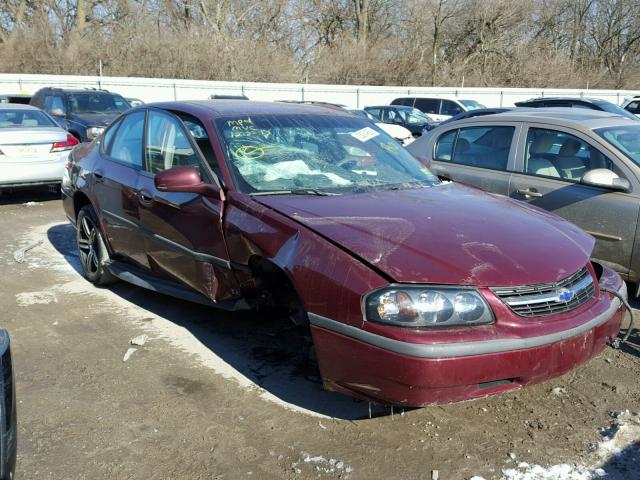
[[605, 178], [185, 179], [57, 112]]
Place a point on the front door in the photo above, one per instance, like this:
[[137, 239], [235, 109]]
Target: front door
[[116, 186], [552, 162], [185, 242]]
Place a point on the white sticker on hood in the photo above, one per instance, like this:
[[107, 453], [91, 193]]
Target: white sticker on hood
[[364, 134]]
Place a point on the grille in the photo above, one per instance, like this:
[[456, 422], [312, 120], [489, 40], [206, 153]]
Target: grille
[[549, 298]]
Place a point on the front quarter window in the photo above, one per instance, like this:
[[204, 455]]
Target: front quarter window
[[331, 154]]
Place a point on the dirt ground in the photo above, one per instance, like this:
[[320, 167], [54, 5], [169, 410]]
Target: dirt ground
[[214, 395]]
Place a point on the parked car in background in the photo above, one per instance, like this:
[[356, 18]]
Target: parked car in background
[[583, 165], [134, 102], [632, 105], [401, 134], [15, 98], [415, 291], [8, 410], [408, 117], [84, 113], [33, 147], [439, 109], [578, 102], [475, 113]]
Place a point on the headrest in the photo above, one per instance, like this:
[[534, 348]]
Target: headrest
[[542, 144], [570, 147]]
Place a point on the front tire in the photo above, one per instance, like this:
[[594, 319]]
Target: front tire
[[92, 248]]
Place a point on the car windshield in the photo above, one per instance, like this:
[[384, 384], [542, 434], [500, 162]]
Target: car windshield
[[625, 138], [316, 154], [611, 108], [97, 103], [413, 116], [24, 119], [472, 104]]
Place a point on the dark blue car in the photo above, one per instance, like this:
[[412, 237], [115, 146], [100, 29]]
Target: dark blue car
[[84, 113]]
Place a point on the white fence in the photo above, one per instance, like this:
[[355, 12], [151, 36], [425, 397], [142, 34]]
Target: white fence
[[156, 89]]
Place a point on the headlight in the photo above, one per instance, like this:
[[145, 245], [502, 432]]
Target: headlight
[[93, 132], [416, 306]]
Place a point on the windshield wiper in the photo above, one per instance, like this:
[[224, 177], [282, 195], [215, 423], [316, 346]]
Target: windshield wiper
[[298, 191]]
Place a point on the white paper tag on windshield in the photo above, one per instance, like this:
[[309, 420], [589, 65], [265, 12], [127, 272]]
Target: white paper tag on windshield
[[365, 134]]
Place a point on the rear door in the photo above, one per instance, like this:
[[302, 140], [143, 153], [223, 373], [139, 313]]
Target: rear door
[[115, 185], [551, 161], [481, 155], [184, 230]]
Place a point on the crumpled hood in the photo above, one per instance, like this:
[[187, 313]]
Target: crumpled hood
[[446, 234], [102, 119]]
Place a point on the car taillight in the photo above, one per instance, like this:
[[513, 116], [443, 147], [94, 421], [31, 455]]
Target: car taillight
[[66, 145]]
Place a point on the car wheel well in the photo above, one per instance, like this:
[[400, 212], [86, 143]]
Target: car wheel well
[[275, 290], [79, 201]]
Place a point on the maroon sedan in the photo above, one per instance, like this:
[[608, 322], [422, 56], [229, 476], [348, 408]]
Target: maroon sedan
[[416, 291]]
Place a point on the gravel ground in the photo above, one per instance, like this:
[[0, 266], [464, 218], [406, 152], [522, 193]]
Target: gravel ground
[[213, 395]]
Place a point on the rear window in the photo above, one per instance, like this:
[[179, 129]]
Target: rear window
[[24, 119]]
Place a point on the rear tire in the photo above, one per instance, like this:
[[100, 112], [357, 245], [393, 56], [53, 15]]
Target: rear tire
[[92, 248]]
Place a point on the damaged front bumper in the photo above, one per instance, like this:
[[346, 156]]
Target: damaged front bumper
[[381, 369]]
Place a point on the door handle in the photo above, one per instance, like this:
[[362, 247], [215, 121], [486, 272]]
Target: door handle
[[99, 176], [529, 193], [145, 198]]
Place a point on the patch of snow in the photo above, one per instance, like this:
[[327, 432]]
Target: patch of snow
[[614, 457], [26, 299]]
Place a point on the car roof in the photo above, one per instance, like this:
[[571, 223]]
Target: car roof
[[80, 90], [248, 107], [579, 119], [565, 99], [17, 106], [391, 106]]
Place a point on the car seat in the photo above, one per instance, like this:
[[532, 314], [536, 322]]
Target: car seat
[[537, 163], [568, 163]]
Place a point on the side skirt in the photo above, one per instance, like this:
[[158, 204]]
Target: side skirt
[[142, 279]]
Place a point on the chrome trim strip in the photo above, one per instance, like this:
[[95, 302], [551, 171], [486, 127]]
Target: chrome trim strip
[[462, 349], [604, 236]]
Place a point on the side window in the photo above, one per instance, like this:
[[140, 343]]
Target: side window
[[389, 115], [485, 147], [428, 105], [444, 146], [450, 108], [57, 105], [54, 103], [167, 145], [127, 142], [634, 107], [552, 153], [108, 136], [374, 111], [199, 134]]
